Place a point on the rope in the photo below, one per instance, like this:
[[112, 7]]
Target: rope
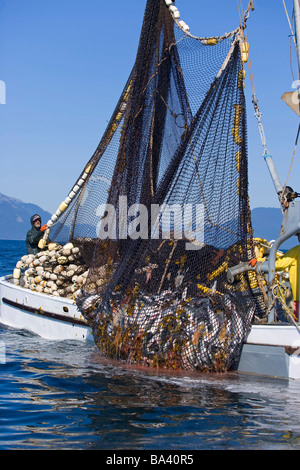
[[296, 142], [255, 102], [210, 40], [278, 292], [292, 38], [290, 24], [239, 11], [243, 34], [293, 157]]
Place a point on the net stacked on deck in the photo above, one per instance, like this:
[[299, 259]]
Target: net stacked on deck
[[164, 211]]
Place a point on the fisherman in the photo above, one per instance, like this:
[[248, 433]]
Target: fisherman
[[34, 234], [291, 261]]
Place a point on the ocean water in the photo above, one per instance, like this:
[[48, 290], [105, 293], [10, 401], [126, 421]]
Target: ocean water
[[63, 395]]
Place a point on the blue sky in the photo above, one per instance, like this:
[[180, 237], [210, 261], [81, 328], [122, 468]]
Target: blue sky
[[65, 63]]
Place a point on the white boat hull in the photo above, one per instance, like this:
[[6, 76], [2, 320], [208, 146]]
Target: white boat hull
[[50, 317], [270, 350]]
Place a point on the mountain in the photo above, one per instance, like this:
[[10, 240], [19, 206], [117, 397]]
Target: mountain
[[15, 217], [266, 223], [15, 220]]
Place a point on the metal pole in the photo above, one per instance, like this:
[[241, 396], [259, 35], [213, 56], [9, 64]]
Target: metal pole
[[274, 174]]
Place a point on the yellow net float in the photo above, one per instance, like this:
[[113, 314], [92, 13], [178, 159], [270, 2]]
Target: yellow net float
[[238, 140], [238, 159], [245, 51], [211, 41], [241, 79]]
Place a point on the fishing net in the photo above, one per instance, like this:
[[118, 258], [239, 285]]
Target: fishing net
[[163, 210]]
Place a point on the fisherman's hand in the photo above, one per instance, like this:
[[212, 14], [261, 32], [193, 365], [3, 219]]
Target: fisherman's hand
[[253, 262], [43, 228]]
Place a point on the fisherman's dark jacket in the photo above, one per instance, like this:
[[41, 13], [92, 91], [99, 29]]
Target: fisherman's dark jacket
[[32, 238]]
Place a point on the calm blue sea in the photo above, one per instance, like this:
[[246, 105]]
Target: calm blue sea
[[64, 395]]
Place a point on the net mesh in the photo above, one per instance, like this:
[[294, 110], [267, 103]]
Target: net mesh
[[164, 211]]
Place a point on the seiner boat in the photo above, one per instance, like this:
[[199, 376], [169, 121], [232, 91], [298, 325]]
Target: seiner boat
[[53, 318], [175, 292]]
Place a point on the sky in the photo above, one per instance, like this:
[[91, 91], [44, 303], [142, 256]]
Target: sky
[[65, 63]]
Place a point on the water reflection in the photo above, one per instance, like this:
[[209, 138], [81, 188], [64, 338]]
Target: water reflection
[[65, 395]]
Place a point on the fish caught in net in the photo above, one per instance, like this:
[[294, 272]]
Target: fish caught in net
[[163, 210]]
